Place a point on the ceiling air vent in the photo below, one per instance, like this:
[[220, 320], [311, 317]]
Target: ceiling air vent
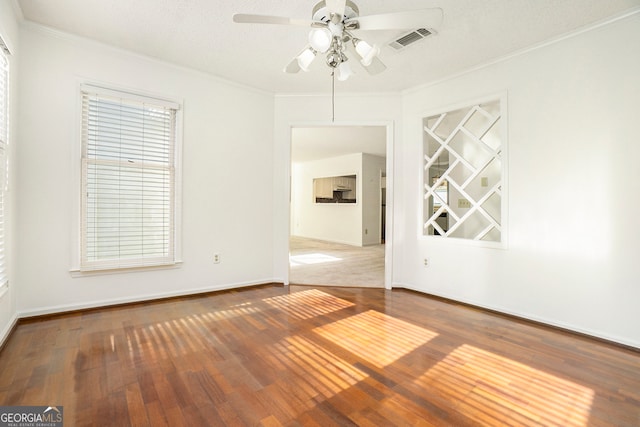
[[410, 38]]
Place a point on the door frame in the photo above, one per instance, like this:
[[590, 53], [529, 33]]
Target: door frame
[[389, 125]]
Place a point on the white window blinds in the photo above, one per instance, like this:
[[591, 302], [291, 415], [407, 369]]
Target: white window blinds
[[4, 143], [128, 181]]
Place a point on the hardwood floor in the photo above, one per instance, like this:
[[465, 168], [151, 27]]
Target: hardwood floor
[[317, 262], [326, 356]]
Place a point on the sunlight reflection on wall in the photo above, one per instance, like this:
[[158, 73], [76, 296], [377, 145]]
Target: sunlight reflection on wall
[[376, 337], [497, 391]]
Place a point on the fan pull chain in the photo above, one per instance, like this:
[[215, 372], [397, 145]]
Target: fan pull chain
[[333, 96]]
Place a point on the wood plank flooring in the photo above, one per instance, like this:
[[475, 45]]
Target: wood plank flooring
[[306, 356]]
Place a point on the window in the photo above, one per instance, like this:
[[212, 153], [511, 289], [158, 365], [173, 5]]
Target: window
[[4, 145], [128, 201], [464, 172]]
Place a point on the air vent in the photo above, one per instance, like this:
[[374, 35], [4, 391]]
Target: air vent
[[410, 38]]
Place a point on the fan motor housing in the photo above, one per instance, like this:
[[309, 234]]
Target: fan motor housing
[[321, 13]]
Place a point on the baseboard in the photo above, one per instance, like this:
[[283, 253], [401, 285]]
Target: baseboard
[[8, 330], [339, 242], [60, 309], [617, 341], [25, 315]]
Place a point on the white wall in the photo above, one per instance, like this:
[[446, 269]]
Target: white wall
[[334, 222], [315, 110], [353, 224], [573, 188], [227, 175], [10, 34]]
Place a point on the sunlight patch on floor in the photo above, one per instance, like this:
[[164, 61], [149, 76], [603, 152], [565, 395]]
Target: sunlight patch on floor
[[379, 338], [318, 371], [308, 304], [310, 259], [494, 390]]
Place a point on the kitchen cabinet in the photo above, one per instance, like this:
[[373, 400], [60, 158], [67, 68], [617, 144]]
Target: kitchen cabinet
[[350, 184], [334, 189], [323, 188]]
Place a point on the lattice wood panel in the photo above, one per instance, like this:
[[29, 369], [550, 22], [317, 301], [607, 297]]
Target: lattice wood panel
[[463, 177]]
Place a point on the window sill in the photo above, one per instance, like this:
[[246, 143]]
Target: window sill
[[75, 273]]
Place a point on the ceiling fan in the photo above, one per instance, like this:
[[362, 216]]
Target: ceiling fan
[[333, 24]]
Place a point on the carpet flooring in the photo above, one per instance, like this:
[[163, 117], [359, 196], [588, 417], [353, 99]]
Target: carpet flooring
[[317, 262]]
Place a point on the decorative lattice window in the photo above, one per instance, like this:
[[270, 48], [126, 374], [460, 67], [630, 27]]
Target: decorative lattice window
[[464, 172]]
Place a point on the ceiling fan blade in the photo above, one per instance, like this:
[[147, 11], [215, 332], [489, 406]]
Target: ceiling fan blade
[[244, 18], [376, 67], [336, 6], [423, 18]]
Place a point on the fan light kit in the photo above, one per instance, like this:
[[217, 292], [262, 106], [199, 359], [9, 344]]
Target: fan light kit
[[333, 26]]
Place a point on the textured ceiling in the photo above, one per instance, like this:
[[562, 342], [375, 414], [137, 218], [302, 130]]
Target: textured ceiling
[[200, 34]]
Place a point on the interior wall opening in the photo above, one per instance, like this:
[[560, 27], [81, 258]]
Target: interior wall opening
[[338, 218]]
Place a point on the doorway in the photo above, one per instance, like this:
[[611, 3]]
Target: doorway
[[337, 220]]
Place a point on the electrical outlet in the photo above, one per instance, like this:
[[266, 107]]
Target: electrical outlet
[[216, 258], [426, 262]]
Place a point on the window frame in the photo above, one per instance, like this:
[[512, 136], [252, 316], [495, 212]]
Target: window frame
[[5, 69], [502, 97], [82, 267]]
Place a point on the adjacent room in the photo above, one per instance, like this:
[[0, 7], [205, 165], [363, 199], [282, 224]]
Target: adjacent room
[[180, 182], [338, 205]]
